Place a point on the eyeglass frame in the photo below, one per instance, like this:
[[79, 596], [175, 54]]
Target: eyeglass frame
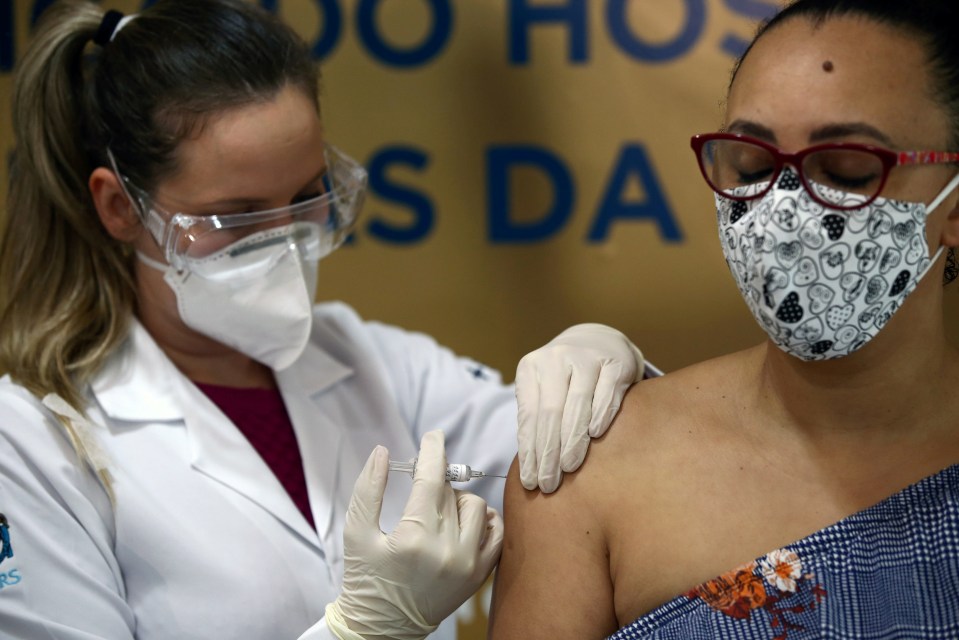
[[890, 159]]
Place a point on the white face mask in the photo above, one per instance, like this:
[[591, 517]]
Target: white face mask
[[821, 282], [254, 298]]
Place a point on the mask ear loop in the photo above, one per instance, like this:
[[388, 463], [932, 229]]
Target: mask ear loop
[[150, 262], [943, 194], [949, 188]]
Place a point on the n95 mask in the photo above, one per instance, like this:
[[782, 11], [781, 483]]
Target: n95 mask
[[822, 283], [255, 296]]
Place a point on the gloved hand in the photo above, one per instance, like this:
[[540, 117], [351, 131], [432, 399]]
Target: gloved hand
[[402, 585], [569, 391]]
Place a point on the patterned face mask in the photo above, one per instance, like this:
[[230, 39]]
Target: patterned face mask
[[822, 282]]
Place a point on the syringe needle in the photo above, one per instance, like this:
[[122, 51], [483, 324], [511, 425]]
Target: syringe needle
[[487, 475]]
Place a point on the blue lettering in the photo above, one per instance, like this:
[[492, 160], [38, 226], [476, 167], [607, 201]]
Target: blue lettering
[[633, 160], [418, 203], [9, 579], [7, 37], [415, 56], [753, 9], [627, 41], [521, 16], [499, 162], [332, 28], [332, 19]]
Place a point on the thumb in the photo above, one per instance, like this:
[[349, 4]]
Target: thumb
[[367, 500], [492, 543]]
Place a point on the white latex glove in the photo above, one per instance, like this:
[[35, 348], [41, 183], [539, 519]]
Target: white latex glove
[[402, 585], [569, 391]]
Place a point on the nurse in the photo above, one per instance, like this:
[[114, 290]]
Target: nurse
[[184, 438]]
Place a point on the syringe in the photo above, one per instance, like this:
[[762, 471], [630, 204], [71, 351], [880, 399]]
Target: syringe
[[454, 472]]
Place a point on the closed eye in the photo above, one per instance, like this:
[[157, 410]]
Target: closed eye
[[307, 196], [754, 176], [849, 182]]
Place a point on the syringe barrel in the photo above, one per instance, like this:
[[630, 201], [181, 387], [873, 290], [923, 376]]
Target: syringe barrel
[[454, 472], [458, 473]]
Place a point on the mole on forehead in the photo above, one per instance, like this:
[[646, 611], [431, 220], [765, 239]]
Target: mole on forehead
[[827, 66]]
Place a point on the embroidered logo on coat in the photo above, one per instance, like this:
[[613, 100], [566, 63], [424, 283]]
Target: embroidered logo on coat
[[6, 549], [478, 371]]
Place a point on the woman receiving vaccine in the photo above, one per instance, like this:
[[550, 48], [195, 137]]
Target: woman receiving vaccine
[[806, 488]]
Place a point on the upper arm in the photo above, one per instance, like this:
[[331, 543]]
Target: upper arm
[[553, 577], [62, 575]]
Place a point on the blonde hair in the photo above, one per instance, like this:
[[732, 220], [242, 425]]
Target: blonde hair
[[66, 293]]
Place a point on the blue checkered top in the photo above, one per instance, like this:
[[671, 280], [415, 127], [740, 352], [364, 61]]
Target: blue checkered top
[[889, 571]]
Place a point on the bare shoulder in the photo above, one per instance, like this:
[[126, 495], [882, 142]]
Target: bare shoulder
[[627, 485], [669, 417], [649, 481]]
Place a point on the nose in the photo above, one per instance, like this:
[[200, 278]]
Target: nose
[[789, 178]]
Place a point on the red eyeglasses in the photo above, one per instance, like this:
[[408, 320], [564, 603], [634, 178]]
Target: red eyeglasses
[[841, 175]]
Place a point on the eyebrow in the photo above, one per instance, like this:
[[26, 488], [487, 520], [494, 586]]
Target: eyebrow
[[242, 202], [827, 132], [750, 128], [844, 129]]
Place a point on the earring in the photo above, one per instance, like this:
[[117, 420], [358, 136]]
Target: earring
[[952, 267]]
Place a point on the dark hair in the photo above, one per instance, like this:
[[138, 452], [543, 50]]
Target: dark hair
[[934, 22], [66, 289]]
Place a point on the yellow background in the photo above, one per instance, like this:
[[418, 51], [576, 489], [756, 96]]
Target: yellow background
[[495, 301]]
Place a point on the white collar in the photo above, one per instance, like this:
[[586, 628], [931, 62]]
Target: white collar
[[139, 365]]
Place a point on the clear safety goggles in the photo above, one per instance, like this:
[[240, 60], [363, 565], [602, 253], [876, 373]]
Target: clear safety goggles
[[258, 239]]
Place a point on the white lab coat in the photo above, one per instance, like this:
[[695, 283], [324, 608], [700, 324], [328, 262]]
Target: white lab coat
[[203, 541]]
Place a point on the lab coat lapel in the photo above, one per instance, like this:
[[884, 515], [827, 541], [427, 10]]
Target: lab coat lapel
[[221, 452], [348, 412], [318, 433], [218, 449]]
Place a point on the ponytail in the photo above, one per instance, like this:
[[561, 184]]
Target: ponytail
[[66, 293]]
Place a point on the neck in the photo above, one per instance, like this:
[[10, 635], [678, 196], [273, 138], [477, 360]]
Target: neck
[[218, 365], [900, 383], [857, 394], [204, 360]]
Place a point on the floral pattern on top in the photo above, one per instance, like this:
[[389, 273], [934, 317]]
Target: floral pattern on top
[[890, 570], [774, 584]]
